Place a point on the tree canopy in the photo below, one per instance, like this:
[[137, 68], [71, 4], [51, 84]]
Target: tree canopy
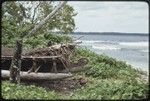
[[19, 17]]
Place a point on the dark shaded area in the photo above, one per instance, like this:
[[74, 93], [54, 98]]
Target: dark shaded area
[[27, 64]]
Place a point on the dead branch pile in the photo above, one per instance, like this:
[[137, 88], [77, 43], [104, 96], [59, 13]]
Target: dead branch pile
[[63, 49]]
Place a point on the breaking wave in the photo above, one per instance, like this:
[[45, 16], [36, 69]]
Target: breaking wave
[[105, 47], [109, 45], [134, 44], [145, 50]]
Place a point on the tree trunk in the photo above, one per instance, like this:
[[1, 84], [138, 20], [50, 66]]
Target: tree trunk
[[40, 24], [37, 76], [16, 63]]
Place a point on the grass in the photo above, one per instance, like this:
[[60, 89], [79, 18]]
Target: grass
[[112, 79], [109, 79], [15, 91]]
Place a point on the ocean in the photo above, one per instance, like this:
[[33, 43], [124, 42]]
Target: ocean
[[131, 48]]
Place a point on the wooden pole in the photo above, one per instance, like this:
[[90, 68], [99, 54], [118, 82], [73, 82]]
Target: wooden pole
[[16, 63]]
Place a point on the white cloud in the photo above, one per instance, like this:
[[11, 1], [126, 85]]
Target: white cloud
[[111, 16]]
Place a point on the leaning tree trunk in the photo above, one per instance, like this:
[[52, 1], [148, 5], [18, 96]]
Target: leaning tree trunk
[[41, 23], [16, 63]]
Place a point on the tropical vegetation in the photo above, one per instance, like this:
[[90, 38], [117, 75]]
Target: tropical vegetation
[[107, 77]]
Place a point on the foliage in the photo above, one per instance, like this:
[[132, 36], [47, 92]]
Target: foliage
[[111, 79], [64, 21], [105, 81], [16, 91], [107, 89], [18, 17], [40, 41], [103, 67]]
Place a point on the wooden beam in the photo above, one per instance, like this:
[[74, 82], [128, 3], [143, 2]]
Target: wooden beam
[[31, 57]]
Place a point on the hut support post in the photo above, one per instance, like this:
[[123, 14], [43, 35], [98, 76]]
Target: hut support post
[[34, 66], [54, 67], [16, 63]]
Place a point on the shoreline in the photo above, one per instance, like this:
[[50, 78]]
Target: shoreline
[[134, 64]]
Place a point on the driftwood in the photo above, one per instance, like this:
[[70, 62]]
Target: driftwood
[[37, 76]]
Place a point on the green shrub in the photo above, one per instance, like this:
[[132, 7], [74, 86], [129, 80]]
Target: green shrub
[[111, 79], [38, 41], [15, 91], [112, 89], [103, 66]]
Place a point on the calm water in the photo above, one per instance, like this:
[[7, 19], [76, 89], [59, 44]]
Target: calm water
[[130, 48]]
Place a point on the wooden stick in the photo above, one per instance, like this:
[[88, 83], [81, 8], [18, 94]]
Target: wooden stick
[[65, 65], [37, 69], [34, 66]]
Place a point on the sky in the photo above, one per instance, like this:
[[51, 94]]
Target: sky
[[94, 16]]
